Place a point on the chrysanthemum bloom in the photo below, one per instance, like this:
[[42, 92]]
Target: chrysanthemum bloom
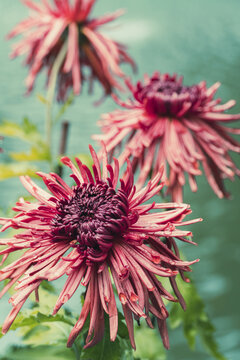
[[64, 25], [177, 126], [97, 234]]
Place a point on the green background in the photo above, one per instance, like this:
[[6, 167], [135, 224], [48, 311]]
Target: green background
[[199, 39]]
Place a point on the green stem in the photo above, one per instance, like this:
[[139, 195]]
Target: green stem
[[50, 96]]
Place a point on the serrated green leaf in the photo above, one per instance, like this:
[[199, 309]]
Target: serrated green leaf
[[103, 351], [32, 318], [11, 129], [40, 314], [154, 350], [120, 349], [195, 320], [35, 154], [16, 169], [26, 131], [38, 329], [49, 334], [39, 353]]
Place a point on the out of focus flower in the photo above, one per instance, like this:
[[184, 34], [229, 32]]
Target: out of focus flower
[[97, 234], [64, 27], [177, 126]]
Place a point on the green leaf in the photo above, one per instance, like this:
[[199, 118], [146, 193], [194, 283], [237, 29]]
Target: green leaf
[[39, 150], [105, 350], [49, 334], [36, 153], [120, 349], [42, 99], [32, 318], [154, 349], [39, 315], [195, 320], [46, 285], [39, 330], [27, 131], [40, 353], [122, 328], [16, 169]]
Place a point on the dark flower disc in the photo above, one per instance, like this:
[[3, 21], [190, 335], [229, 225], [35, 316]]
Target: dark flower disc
[[93, 216]]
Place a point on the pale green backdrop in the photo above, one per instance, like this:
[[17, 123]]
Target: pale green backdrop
[[199, 39]]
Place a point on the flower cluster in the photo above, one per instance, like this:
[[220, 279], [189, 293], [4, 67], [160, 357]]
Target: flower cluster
[[97, 233], [178, 126], [65, 28]]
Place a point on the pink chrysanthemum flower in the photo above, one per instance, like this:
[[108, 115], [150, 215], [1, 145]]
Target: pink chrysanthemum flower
[[53, 25], [177, 126], [97, 234]]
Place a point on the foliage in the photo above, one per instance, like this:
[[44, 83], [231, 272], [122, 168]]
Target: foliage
[[27, 131], [195, 320], [120, 349], [154, 349], [46, 335], [18, 161], [15, 169], [59, 352], [40, 331]]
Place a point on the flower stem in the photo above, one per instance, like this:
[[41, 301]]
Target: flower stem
[[50, 96], [63, 145]]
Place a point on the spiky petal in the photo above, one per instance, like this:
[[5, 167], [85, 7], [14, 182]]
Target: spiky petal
[[99, 235], [64, 26], [179, 127]]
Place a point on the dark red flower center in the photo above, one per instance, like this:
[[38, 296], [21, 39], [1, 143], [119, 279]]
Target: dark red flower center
[[165, 95], [93, 218]]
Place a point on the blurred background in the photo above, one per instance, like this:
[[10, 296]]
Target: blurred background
[[201, 41]]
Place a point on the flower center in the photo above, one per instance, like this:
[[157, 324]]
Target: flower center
[[165, 95], [93, 218]]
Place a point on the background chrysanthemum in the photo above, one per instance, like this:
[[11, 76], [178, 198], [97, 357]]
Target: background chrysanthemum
[[97, 233], [177, 126], [63, 29]]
